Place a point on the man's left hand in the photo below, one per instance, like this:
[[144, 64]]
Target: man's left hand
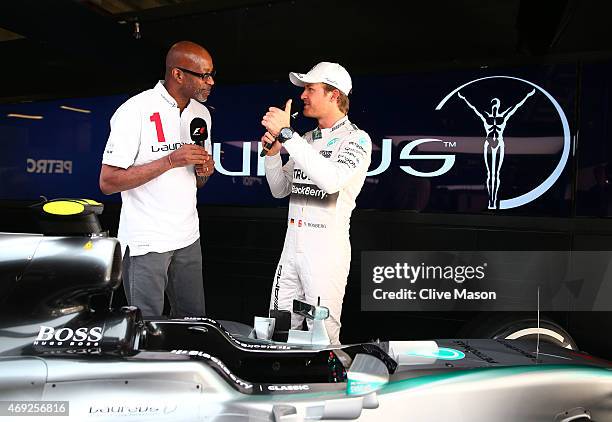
[[205, 170], [276, 119]]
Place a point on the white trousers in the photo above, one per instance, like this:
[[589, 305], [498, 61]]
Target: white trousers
[[314, 266]]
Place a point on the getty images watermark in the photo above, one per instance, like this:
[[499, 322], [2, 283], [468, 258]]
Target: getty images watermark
[[485, 280], [413, 273]]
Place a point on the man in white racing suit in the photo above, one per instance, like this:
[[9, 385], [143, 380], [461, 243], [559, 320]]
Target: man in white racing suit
[[324, 174]]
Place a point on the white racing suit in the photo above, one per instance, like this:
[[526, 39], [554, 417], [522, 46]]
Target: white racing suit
[[324, 175]]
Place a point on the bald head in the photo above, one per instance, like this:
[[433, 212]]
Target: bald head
[[189, 72], [187, 54]]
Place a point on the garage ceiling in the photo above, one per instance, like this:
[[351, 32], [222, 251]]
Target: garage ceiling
[[62, 48]]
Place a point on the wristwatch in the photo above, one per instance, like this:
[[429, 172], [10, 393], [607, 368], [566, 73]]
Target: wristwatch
[[285, 134]]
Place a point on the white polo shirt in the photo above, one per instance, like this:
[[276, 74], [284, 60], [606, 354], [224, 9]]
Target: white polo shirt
[[160, 215]]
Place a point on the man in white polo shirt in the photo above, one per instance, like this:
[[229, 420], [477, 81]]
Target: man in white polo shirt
[[324, 174], [157, 155]]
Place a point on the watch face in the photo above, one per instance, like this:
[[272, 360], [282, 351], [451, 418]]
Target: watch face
[[286, 133]]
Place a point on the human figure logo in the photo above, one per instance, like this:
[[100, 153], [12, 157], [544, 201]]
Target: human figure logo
[[494, 146], [494, 123]]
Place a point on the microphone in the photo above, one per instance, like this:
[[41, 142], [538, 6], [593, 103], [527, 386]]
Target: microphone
[[268, 145], [266, 148], [198, 130]]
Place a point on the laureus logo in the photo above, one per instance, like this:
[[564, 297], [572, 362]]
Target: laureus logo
[[494, 123], [494, 146]]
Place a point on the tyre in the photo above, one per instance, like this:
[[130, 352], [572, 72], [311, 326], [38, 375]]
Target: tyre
[[515, 327]]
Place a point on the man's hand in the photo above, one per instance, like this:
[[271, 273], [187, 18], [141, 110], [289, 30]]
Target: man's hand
[[116, 179], [189, 154], [276, 146], [276, 119], [205, 170]]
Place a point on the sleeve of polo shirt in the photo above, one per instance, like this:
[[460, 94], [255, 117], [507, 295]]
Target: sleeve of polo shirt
[[208, 141], [124, 139], [331, 175]]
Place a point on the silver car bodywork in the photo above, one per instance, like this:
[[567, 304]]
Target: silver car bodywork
[[113, 365]]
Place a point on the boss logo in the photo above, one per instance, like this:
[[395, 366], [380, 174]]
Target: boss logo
[[83, 336]]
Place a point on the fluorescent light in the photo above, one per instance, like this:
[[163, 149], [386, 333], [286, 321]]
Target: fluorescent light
[[24, 116], [78, 110]]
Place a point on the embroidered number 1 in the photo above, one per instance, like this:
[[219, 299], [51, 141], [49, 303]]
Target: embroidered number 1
[[158, 127]]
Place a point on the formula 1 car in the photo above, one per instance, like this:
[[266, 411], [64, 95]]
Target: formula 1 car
[[62, 354]]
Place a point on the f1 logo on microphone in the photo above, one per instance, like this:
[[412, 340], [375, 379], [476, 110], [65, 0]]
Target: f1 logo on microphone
[[198, 130]]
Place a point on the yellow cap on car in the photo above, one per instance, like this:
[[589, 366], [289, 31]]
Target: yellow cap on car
[[64, 207]]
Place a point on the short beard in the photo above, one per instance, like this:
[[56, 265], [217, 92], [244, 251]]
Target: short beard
[[198, 95]]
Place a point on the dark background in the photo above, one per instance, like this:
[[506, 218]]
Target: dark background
[[63, 49]]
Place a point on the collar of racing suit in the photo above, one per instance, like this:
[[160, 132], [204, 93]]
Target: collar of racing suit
[[319, 133]]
